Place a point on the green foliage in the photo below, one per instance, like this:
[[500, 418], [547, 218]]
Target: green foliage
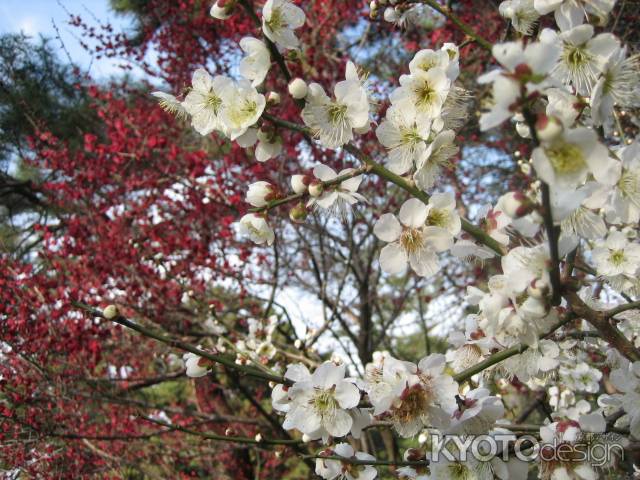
[[38, 93]]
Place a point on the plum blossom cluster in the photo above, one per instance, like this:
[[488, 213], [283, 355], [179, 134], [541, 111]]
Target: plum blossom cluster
[[563, 90]]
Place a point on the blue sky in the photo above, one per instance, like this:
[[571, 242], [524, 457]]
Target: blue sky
[[34, 17]]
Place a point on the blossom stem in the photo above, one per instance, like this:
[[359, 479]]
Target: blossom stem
[[601, 321], [296, 196], [222, 438], [622, 308], [227, 362], [547, 215], [272, 47], [381, 463], [401, 182], [506, 353]]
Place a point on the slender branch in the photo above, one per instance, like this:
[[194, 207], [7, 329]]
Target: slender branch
[[222, 438], [622, 308], [507, 353], [601, 322], [296, 196], [401, 182], [382, 463], [227, 362]]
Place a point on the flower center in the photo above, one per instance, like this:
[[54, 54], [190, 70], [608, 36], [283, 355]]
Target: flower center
[[276, 22], [214, 102], [437, 217], [425, 94], [629, 185], [575, 56], [565, 158], [336, 113], [415, 402], [617, 257], [412, 240], [427, 64], [324, 402], [410, 136], [459, 471]]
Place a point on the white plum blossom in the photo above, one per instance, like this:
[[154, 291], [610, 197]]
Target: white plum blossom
[[477, 413], [260, 193], [418, 395], [523, 67], [242, 107], [410, 240], [521, 13], [618, 84], [338, 197], [583, 56], [170, 104], [442, 213], [279, 19], [255, 65], [332, 469], [256, 228], [333, 121], [424, 92], [205, 101], [567, 160], [222, 12], [318, 403], [618, 260], [626, 380], [569, 13], [405, 136], [425, 60], [565, 464], [436, 157], [196, 365]]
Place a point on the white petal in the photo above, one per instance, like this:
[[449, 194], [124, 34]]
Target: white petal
[[387, 228], [393, 259], [413, 213]]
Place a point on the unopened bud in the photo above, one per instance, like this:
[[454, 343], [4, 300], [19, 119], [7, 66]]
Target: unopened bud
[[273, 98], [523, 130], [300, 183], [110, 312], [391, 15], [298, 213], [548, 128], [298, 88], [515, 204], [315, 188], [222, 9], [258, 437], [298, 344]]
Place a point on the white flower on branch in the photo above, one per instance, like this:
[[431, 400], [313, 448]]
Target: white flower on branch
[[257, 229], [319, 403], [196, 365], [424, 92], [410, 240], [525, 71], [619, 84], [405, 136], [255, 65], [521, 13], [279, 19], [417, 396], [338, 197], [333, 121], [618, 260], [243, 106], [566, 161], [436, 157], [583, 56], [205, 101], [332, 469], [569, 13]]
